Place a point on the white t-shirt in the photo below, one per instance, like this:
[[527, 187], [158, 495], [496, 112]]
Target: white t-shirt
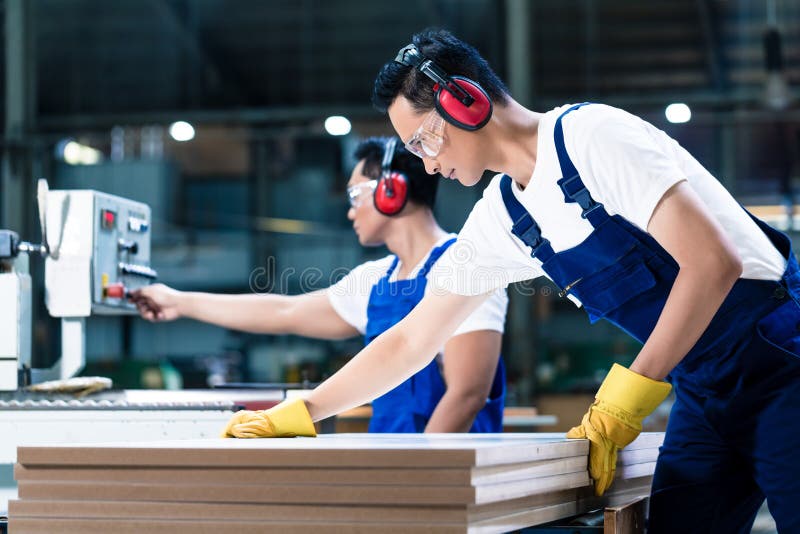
[[350, 296], [627, 165]]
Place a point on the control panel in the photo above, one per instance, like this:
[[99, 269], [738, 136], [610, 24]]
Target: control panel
[[99, 251]]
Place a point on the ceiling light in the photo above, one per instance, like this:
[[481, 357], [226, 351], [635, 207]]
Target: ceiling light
[[678, 113], [337, 125], [181, 131], [75, 153]]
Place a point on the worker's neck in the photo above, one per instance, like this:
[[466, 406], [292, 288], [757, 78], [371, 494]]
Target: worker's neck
[[413, 237], [512, 135]]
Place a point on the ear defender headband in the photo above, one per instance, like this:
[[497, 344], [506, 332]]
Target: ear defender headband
[[459, 100], [391, 193]]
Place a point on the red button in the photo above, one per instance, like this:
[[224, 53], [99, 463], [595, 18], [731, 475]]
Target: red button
[[109, 217], [115, 291]]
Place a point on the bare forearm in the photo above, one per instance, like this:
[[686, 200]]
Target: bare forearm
[[383, 365], [251, 313], [455, 412], [692, 303]]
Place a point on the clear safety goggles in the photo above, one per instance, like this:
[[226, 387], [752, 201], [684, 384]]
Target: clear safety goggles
[[357, 193], [427, 141]]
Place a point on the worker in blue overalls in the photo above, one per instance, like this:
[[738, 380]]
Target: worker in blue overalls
[[633, 229], [391, 202]]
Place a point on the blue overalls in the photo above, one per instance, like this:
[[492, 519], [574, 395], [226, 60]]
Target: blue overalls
[[408, 407], [733, 435]]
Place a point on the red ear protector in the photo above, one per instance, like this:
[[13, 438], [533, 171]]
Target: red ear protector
[[459, 100], [391, 193]]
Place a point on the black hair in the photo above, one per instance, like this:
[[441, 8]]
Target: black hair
[[421, 185], [450, 53]]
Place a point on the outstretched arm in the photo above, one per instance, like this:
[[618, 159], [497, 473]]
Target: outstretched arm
[[309, 315]]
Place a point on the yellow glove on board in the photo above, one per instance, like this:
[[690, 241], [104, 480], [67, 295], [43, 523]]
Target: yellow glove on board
[[239, 417], [286, 420], [624, 399]]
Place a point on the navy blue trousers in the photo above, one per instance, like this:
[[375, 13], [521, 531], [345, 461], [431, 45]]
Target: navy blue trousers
[[734, 439]]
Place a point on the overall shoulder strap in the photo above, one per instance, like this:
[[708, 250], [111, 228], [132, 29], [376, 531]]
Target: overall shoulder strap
[[524, 227], [392, 267], [434, 256], [571, 184]]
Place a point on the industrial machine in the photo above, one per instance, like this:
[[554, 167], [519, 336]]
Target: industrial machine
[[96, 249]]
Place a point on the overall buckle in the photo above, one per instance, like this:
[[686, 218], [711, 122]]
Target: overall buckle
[[595, 205], [526, 229], [537, 246], [566, 187], [581, 195]]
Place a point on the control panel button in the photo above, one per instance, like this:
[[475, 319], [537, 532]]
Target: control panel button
[[136, 224], [108, 219], [115, 291]]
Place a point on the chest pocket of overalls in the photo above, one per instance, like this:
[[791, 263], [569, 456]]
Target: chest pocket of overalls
[[605, 271]]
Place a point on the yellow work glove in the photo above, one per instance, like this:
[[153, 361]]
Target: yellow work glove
[[286, 420], [615, 419]]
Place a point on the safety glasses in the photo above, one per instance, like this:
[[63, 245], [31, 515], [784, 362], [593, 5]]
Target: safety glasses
[[427, 141], [358, 192]]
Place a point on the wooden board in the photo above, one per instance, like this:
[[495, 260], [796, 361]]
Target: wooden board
[[98, 509], [232, 511], [396, 477], [637, 456], [335, 483], [26, 525], [569, 502], [495, 525], [138, 526], [645, 440], [626, 471], [299, 493], [87, 509], [333, 450]]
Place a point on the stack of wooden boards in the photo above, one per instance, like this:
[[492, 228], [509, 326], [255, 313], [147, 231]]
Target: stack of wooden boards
[[333, 483]]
